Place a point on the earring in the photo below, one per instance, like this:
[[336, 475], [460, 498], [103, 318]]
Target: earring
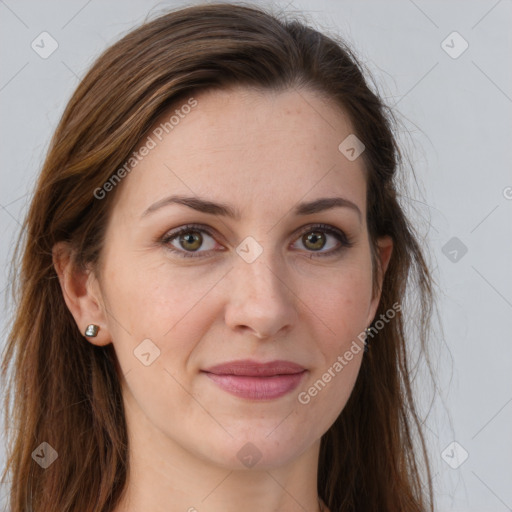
[[92, 330], [366, 342]]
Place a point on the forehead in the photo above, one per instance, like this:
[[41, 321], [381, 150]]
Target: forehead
[[246, 147]]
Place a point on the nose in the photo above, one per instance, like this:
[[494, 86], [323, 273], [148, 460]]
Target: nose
[[261, 299]]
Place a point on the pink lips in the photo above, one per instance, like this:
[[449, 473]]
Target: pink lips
[[257, 381]]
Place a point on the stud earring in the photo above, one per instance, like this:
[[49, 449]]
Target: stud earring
[[366, 342], [92, 330]]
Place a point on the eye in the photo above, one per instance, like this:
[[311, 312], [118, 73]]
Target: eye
[[188, 240], [315, 238]]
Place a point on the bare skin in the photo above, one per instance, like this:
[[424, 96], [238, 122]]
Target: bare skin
[[300, 300]]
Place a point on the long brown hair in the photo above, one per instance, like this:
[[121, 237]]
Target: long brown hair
[[65, 391]]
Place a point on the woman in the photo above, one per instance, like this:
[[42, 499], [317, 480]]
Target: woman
[[211, 298]]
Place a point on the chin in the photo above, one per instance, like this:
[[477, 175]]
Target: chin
[[257, 450]]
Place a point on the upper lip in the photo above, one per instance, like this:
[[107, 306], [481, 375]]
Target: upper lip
[[256, 369]]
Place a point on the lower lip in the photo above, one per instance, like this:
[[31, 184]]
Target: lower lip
[[257, 388]]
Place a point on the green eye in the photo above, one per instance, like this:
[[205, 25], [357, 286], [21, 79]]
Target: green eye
[[317, 239], [191, 240], [187, 241]]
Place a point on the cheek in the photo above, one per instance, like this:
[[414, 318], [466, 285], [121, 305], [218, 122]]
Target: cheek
[[339, 309], [169, 307], [340, 298], [150, 298], [325, 395]]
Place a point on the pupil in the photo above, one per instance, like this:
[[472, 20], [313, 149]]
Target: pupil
[[314, 239], [190, 239]]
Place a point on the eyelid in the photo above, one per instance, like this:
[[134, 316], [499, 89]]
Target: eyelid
[[331, 230], [344, 240], [175, 233]]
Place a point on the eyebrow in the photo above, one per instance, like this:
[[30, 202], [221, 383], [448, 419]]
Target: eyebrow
[[224, 210]]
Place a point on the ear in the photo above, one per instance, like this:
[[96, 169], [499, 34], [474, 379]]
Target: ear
[[385, 249], [82, 294]]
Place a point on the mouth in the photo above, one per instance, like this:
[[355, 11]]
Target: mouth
[[257, 381]]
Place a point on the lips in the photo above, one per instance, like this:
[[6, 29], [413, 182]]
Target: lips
[[257, 381], [254, 369]]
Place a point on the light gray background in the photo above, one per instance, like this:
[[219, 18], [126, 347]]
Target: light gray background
[[458, 115]]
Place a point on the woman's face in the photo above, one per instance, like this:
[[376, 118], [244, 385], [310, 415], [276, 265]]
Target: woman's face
[[253, 277]]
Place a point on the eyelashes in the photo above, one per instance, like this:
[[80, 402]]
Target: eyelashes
[[180, 236]]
